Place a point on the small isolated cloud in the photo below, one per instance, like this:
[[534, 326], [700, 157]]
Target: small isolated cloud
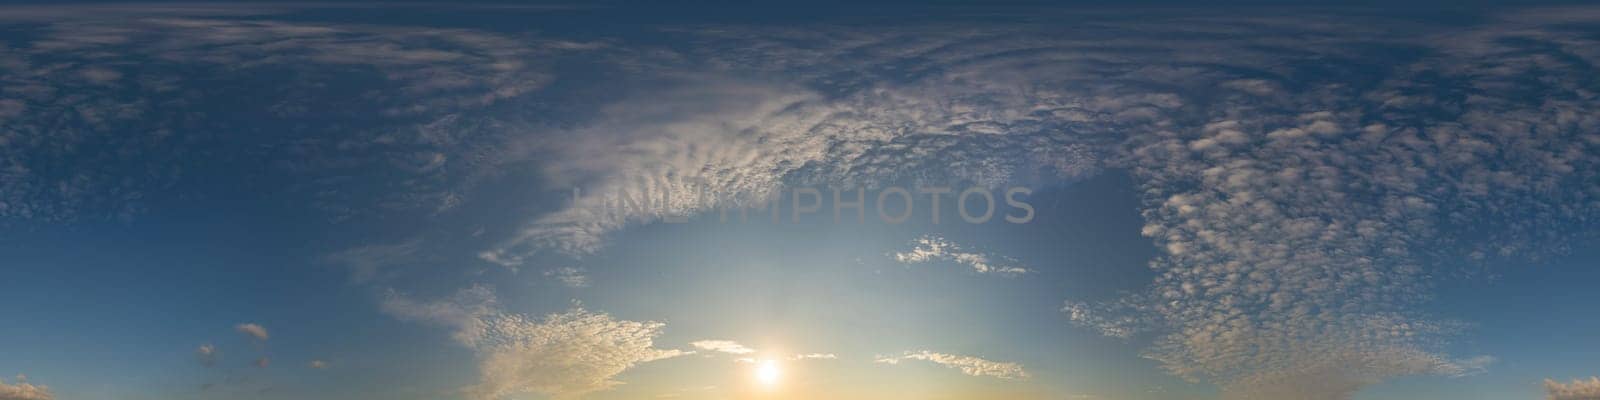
[[563, 356], [207, 354], [814, 356], [252, 330], [934, 248], [1577, 390], [22, 390], [570, 276], [968, 365], [723, 346], [732, 347], [317, 364]]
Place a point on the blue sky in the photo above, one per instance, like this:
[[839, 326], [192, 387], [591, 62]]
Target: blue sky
[[343, 201]]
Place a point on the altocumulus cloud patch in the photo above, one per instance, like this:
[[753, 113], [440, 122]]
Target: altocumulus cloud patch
[[562, 355], [22, 390]]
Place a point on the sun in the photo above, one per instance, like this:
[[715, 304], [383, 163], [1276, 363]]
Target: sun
[[768, 373]]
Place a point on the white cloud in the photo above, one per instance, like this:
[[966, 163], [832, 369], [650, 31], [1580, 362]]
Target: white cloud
[[207, 354], [934, 248], [677, 152], [1579, 389], [814, 356], [464, 313], [22, 390], [317, 364], [564, 355], [704, 144], [723, 346], [573, 277], [968, 365], [732, 347], [254, 331]]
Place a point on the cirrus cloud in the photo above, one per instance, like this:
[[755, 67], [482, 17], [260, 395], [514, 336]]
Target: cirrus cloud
[[967, 364], [722, 346]]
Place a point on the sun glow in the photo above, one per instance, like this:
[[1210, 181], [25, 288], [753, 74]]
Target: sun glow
[[768, 373]]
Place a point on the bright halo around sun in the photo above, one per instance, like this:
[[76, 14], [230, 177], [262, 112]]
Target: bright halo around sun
[[768, 373]]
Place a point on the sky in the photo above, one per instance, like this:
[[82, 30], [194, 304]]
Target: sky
[[619, 201]]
